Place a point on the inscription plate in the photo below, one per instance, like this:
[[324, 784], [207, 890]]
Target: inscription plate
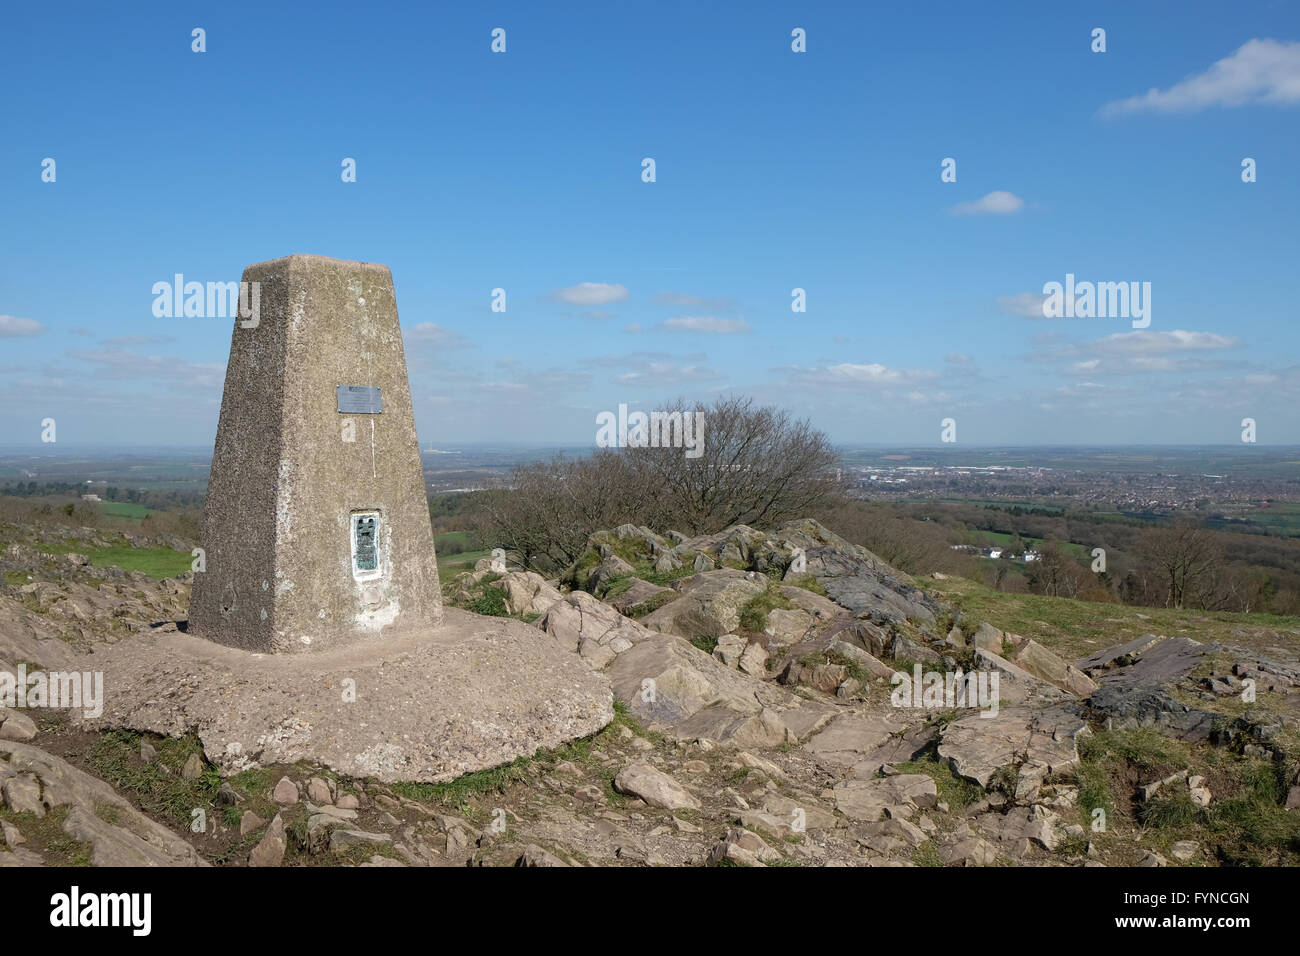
[[360, 399], [365, 543]]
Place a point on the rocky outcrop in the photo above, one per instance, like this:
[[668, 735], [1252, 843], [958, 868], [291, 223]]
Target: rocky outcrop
[[38, 782], [670, 685], [709, 604]]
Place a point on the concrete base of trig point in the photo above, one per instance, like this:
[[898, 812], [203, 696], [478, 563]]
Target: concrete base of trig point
[[473, 694]]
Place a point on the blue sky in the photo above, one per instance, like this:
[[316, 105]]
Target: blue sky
[[775, 170]]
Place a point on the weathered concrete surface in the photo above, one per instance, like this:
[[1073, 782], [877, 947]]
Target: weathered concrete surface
[[288, 471], [476, 693]]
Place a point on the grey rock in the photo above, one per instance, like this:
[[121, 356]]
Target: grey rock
[[640, 779], [318, 791], [12, 835], [270, 849], [22, 794], [341, 839], [534, 855], [15, 725], [744, 848], [285, 792]]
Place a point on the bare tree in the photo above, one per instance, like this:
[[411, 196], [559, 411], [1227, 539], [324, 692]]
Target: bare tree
[[1188, 562], [748, 465], [756, 466], [1055, 573], [549, 509]]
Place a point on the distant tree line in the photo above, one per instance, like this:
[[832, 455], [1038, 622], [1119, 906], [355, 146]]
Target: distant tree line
[[154, 499], [32, 489]]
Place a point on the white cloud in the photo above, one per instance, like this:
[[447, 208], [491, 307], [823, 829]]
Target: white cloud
[[875, 374], [658, 368], [592, 293], [1260, 72], [666, 374], [11, 327], [999, 203], [123, 363], [139, 340], [688, 323], [435, 334], [684, 301], [1162, 343], [1028, 304]]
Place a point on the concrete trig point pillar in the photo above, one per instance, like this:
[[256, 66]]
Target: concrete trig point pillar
[[316, 529]]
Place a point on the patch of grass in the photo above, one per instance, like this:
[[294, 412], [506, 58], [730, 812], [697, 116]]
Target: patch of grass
[[47, 836], [115, 757], [666, 578], [1255, 833], [1094, 791], [458, 792], [158, 563], [124, 509], [1004, 780], [808, 583], [652, 604], [705, 642], [252, 782], [450, 565], [1174, 811], [955, 791], [619, 586], [1140, 747], [491, 602], [753, 616], [927, 854], [1073, 846]]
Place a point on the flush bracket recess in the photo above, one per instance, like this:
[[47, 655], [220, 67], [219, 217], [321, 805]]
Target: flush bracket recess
[[365, 545]]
